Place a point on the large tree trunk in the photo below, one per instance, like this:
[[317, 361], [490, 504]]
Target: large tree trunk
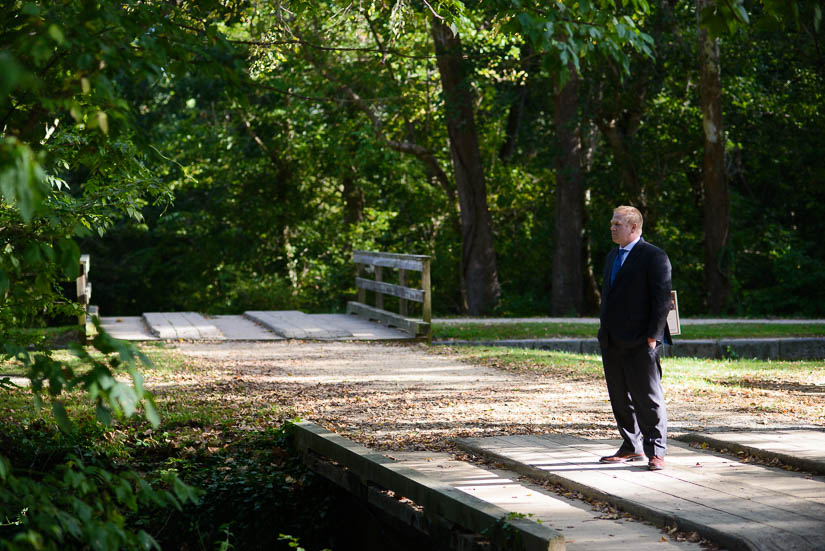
[[478, 263], [568, 273], [714, 184]]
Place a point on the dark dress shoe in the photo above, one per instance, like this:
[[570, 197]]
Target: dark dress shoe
[[622, 457], [656, 463]]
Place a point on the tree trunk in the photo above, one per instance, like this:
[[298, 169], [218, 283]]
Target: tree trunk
[[354, 200], [568, 273], [716, 204], [478, 263], [516, 114]]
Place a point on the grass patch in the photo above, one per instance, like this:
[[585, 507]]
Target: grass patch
[[789, 387], [539, 330], [47, 337]]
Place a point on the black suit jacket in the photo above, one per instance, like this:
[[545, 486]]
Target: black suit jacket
[[635, 307]]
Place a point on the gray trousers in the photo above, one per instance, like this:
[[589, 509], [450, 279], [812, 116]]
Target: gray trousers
[[634, 383]]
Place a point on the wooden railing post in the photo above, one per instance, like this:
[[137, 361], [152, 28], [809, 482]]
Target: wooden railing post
[[83, 289], [362, 293], [427, 306], [84, 292], [402, 303], [379, 296]]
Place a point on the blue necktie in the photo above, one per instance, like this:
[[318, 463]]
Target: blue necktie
[[617, 263]]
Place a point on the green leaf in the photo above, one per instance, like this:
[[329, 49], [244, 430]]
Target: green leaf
[[32, 255], [103, 414], [22, 179], [10, 73], [5, 468], [151, 412], [62, 417], [56, 33], [102, 121], [69, 254], [147, 542], [4, 283], [30, 9]]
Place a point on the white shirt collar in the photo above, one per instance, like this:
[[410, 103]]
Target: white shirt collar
[[629, 247]]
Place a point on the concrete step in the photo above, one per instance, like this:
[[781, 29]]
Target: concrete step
[[735, 504]]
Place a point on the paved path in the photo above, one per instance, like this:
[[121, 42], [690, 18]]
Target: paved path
[[251, 326], [736, 504]]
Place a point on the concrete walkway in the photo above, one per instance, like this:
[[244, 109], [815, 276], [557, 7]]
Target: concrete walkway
[[736, 504]]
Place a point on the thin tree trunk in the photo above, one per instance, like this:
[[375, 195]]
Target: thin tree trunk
[[716, 204], [516, 113], [478, 263], [353, 197], [568, 273]]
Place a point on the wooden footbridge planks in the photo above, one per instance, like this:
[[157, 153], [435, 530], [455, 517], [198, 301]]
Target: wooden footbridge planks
[[252, 326], [293, 324], [441, 502], [181, 325], [739, 505], [803, 448]]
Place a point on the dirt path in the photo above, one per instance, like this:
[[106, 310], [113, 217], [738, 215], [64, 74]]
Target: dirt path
[[414, 397]]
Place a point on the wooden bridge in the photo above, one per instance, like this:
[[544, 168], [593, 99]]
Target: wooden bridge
[[391, 278], [250, 326]]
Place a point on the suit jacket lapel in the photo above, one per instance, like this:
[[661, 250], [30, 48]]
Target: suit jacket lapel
[[611, 257], [628, 263]]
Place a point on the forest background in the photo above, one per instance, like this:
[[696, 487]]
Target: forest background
[[225, 156]]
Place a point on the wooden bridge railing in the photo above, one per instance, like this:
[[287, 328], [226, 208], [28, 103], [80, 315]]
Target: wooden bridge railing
[[376, 262], [84, 289]]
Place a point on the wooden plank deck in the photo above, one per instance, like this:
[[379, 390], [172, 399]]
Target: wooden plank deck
[[293, 324], [252, 326], [738, 505], [584, 528], [181, 325], [803, 448], [437, 499]]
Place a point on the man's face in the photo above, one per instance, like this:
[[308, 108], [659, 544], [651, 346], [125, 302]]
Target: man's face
[[622, 232]]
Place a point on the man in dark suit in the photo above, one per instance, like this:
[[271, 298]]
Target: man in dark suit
[[633, 327]]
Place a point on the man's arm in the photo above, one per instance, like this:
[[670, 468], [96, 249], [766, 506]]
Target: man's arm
[[660, 285]]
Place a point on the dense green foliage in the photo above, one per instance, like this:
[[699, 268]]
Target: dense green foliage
[[71, 163], [276, 179], [224, 155], [55, 492]]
